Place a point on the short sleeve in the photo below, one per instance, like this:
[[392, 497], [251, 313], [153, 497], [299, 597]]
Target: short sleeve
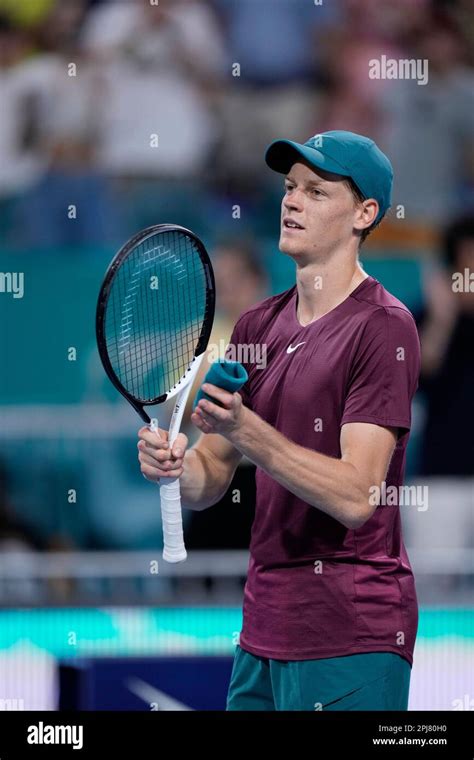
[[384, 371], [236, 351]]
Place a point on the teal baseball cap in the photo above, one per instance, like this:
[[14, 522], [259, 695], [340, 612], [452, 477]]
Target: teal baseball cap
[[344, 153]]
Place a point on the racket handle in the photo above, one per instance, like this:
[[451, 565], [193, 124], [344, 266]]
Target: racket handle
[[171, 516], [174, 549], [172, 519]]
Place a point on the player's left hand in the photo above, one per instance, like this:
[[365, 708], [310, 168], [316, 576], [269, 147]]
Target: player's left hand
[[225, 419]]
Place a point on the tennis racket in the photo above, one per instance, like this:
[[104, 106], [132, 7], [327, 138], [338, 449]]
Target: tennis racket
[[154, 318]]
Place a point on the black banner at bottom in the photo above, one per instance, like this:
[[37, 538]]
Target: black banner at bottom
[[98, 734]]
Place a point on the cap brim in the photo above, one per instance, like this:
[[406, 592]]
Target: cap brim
[[282, 154]]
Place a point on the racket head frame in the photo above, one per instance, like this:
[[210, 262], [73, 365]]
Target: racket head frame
[[119, 258]]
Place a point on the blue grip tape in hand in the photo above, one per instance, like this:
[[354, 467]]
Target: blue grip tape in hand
[[225, 374]]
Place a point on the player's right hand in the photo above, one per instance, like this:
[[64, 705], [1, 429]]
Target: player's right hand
[[156, 459]]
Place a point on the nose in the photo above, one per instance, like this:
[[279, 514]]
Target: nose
[[293, 201]]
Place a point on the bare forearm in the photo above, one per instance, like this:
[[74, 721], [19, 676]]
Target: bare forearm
[[332, 485], [201, 483]]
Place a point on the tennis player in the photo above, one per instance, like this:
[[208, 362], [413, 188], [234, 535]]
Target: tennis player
[[330, 610]]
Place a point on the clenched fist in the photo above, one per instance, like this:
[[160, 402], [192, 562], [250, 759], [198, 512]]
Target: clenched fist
[[155, 457]]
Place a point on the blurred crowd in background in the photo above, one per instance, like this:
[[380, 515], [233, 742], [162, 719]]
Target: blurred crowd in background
[[138, 113], [84, 86]]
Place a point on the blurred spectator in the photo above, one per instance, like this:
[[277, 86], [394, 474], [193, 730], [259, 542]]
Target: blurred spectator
[[352, 100], [161, 66], [277, 47], [159, 62], [15, 535], [445, 526], [447, 378], [21, 85], [430, 128], [240, 279], [141, 71], [275, 93], [66, 203]]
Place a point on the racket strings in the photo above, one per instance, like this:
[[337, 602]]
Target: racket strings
[[155, 314]]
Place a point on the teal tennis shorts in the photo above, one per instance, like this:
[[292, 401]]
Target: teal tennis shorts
[[372, 681]]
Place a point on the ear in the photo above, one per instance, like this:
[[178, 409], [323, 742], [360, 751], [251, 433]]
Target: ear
[[366, 214]]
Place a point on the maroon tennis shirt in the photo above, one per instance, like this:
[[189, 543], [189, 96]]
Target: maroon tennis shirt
[[315, 588]]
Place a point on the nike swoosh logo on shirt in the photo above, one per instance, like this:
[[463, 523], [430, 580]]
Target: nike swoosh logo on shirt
[[290, 348]]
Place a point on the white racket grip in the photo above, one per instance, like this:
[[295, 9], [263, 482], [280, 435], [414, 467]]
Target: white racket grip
[[172, 519], [174, 549]]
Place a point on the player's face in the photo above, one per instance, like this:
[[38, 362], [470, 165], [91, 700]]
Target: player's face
[[321, 206]]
